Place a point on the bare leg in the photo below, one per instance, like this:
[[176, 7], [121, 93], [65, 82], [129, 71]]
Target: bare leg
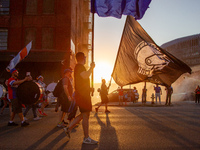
[[10, 108], [62, 116], [44, 104], [85, 124], [12, 116], [4, 106], [99, 105], [21, 116], [76, 120], [106, 106]]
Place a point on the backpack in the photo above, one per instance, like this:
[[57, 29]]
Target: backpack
[[58, 89]]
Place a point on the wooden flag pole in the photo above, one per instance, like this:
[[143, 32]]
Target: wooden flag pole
[[92, 79]]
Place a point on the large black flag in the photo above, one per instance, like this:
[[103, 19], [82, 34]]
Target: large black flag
[[140, 59]]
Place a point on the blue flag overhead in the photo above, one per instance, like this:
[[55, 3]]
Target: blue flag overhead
[[117, 8]]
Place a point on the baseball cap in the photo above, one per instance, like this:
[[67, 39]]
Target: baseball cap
[[68, 70], [40, 77], [13, 70]]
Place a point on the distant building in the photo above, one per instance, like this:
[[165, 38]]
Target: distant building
[[186, 49], [57, 28]]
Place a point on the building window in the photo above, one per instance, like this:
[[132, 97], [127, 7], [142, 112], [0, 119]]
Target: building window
[[48, 6], [47, 38], [4, 7], [31, 7], [3, 39], [30, 35]]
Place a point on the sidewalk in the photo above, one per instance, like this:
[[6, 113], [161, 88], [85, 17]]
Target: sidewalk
[[147, 104]]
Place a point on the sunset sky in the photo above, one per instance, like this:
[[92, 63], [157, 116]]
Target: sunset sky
[[164, 21]]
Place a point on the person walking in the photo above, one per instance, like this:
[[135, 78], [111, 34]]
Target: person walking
[[197, 94], [144, 95], [40, 80], [121, 95], [135, 94], [31, 106], [65, 96], [158, 92], [6, 101], [82, 96], [13, 83], [104, 96], [169, 91], [34, 108]]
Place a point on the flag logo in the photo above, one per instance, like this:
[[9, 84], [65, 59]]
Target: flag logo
[[150, 60]]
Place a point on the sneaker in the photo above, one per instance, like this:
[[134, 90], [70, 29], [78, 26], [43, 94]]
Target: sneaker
[[37, 118], [107, 111], [12, 124], [25, 119], [39, 110], [44, 114], [96, 109], [89, 141], [65, 122], [24, 124], [61, 125], [67, 132]]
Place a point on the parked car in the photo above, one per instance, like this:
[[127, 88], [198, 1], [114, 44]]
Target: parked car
[[129, 95]]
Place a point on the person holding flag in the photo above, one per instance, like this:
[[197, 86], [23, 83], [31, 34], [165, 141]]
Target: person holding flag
[[104, 95], [13, 83], [83, 97]]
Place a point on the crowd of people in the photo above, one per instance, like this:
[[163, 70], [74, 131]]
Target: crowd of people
[[132, 95], [72, 95], [69, 98]]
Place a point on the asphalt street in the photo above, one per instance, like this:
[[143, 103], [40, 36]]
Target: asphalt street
[[125, 128]]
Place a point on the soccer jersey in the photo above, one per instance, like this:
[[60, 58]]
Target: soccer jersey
[[12, 88]]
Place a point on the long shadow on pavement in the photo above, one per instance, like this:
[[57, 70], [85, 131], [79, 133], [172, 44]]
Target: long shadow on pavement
[[108, 136], [52, 143], [167, 132]]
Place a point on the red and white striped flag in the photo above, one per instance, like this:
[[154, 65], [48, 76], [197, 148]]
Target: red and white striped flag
[[20, 56]]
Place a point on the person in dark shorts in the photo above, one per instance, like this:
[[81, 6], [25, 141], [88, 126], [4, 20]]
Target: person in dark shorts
[[104, 96], [13, 83], [169, 91], [66, 96], [82, 96]]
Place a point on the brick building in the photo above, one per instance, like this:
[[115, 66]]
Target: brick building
[[186, 49], [57, 28]]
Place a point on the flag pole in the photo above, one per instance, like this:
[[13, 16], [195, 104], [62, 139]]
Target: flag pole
[[92, 55]]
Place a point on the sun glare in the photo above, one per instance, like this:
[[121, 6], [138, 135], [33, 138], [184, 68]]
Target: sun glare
[[103, 70]]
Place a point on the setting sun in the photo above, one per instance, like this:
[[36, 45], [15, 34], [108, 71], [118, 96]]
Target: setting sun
[[103, 70]]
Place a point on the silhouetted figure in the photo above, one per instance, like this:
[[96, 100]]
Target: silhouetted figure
[[104, 96], [197, 94], [169, 91], [144, 95], [158, 92]]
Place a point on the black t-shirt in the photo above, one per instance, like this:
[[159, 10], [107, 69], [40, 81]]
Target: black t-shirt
[[82, 89], [82, 86], [104, 90]]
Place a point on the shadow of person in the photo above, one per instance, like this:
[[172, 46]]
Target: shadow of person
[[108, 137], [45, 137], [162, 127], [88, 147]]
